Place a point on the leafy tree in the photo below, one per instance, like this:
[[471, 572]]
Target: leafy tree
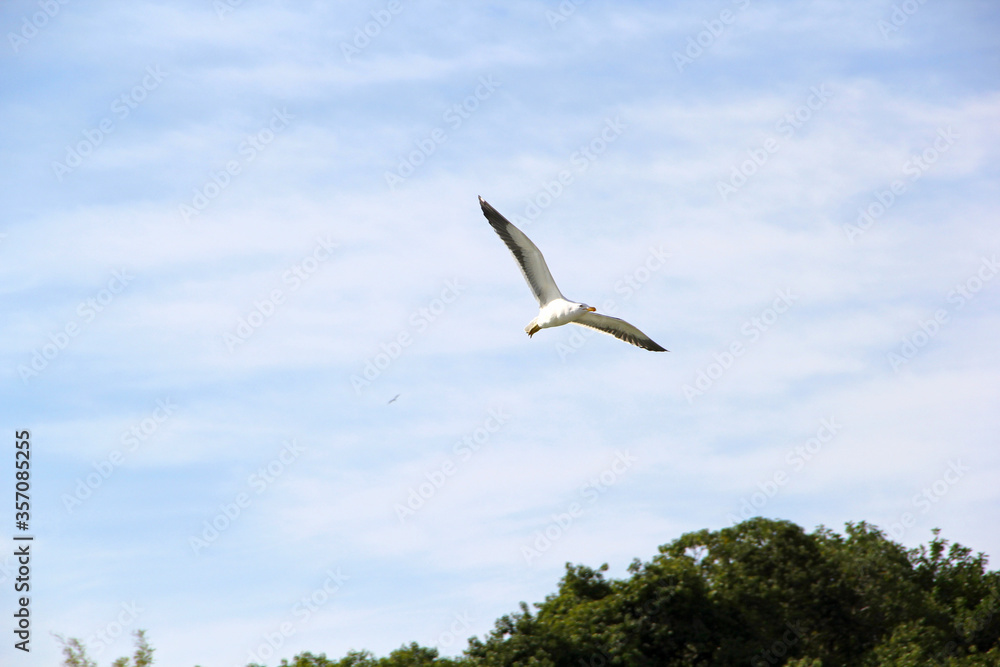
[[762, 592], [413, 655], [143, 656], [75, 654], [765, 592], [307, 659]]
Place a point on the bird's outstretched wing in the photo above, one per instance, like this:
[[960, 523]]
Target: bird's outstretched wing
[[620, 329], [527, 254]]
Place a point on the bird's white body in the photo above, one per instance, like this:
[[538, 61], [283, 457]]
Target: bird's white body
[[556, 313]]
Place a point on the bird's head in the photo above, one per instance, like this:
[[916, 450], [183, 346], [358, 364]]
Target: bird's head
[[584, 308]]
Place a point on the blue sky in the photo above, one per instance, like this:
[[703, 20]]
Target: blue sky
[[235, 231]]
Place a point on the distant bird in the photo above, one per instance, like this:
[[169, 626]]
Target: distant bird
[[393, 399], [554, 309]]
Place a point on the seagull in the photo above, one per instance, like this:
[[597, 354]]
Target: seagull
[[554, 309], [393, 399]]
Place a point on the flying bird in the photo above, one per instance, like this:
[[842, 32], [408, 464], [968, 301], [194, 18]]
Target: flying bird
[[393, 399], [554, 309]]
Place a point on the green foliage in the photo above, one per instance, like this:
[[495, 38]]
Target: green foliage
[[765, 592], [74, 652], [75, 655], [413, 655], [762, 592], [307, 659]]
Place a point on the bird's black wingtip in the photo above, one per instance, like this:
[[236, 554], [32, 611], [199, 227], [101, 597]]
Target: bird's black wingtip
[[488, 210]]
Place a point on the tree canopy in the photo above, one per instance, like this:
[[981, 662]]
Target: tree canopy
[[763, 592]]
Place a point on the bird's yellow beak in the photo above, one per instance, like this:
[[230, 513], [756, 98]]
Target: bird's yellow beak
[[592, 309]]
